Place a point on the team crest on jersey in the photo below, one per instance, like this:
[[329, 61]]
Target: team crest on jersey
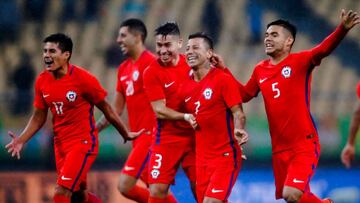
[[71, 96], [208, 93], [135, 75], [155, 173], [286, 72]]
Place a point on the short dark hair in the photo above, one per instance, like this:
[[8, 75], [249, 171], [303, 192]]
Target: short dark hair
[[64, 42], [204, 36], [285, 24], [168, 28], [136, 25]]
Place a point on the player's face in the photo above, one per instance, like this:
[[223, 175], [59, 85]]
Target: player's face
[[53, 57], [277, 40], [167, 48], [197, 52], [126, 40]]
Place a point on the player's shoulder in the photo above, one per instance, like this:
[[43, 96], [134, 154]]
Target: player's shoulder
[[300, 54], [148, 55], [262, 63], [80, 73]]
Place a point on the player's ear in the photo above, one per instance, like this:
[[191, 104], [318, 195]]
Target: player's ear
[[209, 53], [180, 43], [289, 41], [67, 54]]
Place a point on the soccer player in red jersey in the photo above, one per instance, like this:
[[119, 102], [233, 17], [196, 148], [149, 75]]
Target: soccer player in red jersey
[[130, 91], [173, 141], [210, 96], [348, 153], [284, 80], [70, 92]]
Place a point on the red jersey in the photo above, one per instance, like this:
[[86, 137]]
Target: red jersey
[[130, 84], [210, 101], [358, 90], [286, 91], [162, 82], [71, 101]]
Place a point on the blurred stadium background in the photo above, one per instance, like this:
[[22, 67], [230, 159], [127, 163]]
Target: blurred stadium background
[[237, 27]]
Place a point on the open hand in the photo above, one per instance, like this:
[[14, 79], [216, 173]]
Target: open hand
[[349, 19], [15, 146], [133, 135]]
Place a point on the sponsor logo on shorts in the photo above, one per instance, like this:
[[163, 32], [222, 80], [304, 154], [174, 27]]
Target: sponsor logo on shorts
[[65, 178], [216, 191], [155, 173], [297, 181]]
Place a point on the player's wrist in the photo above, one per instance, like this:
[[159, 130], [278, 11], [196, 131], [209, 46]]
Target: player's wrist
[[187, 116]]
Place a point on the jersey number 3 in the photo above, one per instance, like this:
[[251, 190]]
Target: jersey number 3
[[275, 89]]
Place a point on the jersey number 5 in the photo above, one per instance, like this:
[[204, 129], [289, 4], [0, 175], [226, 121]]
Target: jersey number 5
[[275, 89]]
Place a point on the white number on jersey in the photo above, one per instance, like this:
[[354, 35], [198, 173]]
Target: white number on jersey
[[275, 89], [197, 107], [59, 107], [129, 88]]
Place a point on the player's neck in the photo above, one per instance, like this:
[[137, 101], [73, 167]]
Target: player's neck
[[137, 53], [60, 72], [201, 72], [276, 59]]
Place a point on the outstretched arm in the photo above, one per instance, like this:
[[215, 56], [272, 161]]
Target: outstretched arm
[[163, 112], [36, 121], [348, 21], [119, 105], [348, 153], [115, 120]]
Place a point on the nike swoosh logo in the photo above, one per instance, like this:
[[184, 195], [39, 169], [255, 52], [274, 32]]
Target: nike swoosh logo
[[46, 95], [123, 78], [187, 99], [298, 181], [128, 168], [65, 178], [262, 80], [169, 84], [216, 191]]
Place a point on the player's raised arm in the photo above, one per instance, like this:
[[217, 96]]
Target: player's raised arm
[[36, 121], [348, 20], [119, 105]]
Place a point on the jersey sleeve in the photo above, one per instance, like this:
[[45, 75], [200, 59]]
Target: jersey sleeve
[[92, 89], [358, 90], [39, 101], [119, 87], [327, 45], [230, 96], [250, 90], [152, 85]]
